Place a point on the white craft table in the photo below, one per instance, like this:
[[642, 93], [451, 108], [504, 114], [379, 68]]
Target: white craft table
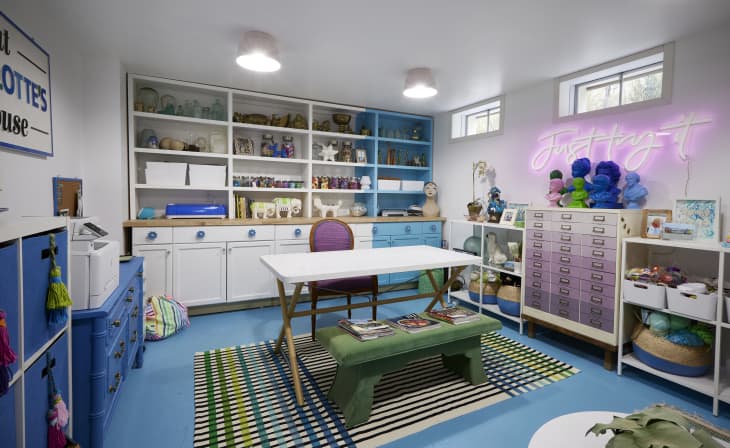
[[301, 268]]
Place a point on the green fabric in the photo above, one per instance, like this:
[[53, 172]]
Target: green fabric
[[348, 351], [424, 283]]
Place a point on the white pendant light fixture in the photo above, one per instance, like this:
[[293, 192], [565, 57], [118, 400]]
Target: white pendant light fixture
[[257, 51], [420, 83]]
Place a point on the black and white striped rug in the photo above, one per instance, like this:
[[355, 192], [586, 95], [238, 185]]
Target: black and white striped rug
[[244, 396]]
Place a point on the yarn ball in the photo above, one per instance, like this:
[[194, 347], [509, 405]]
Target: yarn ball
[[658, 323], [473, 244], [707, 334], [685, 337], [678, 323]]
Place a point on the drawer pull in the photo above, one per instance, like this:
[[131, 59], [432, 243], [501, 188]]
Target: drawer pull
[[139, 274], [596, 288], [564, 302], [129, 298], [133, 339], [537, 264], [537, 255], [131, 290], [564, 281], [536, 285], [565, 259], [598, 253], [564, 270], [598, 242], [566, 227], [596, 311], [112, 389], [297, 232], [151, 235], [117, 355], [596, 323], [565, 292], [537, 274], [117, 323], [597, 300], [536, 304], [600, 230], [566, 216], [536, 294], [596, 265], [596, 277], [200, 234], [599, 218], [251, 233], [538, 225], [408, 229], [563, 313], [538, 234], [537, 245], [565, 249], [433, 227], [538, 215], [566, 238]]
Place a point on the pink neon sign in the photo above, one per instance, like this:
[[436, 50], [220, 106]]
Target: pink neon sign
[[635, 147]]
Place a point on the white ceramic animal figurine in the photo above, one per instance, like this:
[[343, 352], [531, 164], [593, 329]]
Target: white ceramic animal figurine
[[263, 210], [328, 153], [324, 209], [287, 206], [496, 256]]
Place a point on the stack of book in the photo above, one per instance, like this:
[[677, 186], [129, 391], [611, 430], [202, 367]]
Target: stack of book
[[365, 329], [454, 315], [412, 323]]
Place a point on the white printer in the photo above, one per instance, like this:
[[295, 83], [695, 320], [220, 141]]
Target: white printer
[[94, 264]]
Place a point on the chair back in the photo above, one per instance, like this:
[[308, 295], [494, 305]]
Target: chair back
[[330, 234]]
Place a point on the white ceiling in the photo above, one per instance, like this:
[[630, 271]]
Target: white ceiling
[[358, 52]]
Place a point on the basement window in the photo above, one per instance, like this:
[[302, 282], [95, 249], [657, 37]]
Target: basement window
[[483, 118], [638, 80]]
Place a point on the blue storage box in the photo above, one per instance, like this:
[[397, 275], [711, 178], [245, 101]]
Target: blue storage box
[[196, 211]]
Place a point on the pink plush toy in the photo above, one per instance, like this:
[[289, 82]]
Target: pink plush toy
[[554, 195]]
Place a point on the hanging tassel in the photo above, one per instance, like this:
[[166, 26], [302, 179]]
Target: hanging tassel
[[58, 299], [61, 410], [7, 355], [57, 413], [56, 437]]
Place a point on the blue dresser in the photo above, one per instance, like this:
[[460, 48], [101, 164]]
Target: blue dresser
[[397, 234], [107, 343]]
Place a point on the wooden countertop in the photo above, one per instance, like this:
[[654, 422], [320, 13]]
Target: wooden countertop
[[250, 222]]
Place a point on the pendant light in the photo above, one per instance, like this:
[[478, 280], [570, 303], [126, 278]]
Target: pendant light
[[257, 51], [420, 83]]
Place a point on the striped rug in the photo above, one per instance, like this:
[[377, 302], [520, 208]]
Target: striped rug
[[244, 397]]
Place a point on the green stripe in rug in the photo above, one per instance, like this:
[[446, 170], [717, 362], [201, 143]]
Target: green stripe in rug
[[244, 397]]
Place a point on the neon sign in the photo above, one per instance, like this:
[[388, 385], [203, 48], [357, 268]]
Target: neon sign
[[635, 147]]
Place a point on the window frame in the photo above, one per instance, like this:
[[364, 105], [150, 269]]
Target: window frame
[[499, 131], [567, 96]]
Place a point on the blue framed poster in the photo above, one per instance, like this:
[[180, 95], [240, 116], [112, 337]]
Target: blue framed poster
[[25, 89]]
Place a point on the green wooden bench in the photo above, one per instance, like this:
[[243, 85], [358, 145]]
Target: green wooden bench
[[361, 364]]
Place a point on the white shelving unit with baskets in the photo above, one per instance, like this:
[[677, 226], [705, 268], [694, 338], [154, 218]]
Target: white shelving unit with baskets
[[697, 260], [459, 230], [226, 121]]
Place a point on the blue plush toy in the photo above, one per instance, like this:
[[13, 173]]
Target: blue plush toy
[[495, 207]]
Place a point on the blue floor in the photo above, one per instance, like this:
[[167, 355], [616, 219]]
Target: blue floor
[[156, 406]]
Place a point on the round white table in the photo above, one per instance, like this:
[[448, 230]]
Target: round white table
[[569, 431]]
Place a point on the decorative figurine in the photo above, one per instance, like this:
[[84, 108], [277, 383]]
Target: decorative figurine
[[495, 207], [554, 196], [603, 194], [580, 169], [496, 256], [299, 122], [579, 195], [613, 171], [365, 182], [478, 169], [430, 208], [287, 206], [324, 209], [263, 210], [634, 192], [328, 152]]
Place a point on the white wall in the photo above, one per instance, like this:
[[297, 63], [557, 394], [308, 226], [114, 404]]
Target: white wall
[[701, 85]]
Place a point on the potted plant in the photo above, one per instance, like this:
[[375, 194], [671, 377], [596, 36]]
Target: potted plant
[[475, 207]]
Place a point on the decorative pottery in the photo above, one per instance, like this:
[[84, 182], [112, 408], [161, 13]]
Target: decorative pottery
[[168, 104], [149, 98], [358, 209], [342, 121]]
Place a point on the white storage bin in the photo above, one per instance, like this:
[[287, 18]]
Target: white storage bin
[[411, 185], [165, 173], [639, 293], [387, 184], [701, 306], [208, 175]]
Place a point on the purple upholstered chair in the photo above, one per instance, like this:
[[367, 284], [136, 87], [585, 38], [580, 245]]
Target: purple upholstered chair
[[333, 234]]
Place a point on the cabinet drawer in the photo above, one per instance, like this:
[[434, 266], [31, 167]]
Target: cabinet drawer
[[292, 232], [539, 215], [593, 299], [538, 244], [115, 361], [538, 225], [596, 288], [566, 216], [566, 248], [603, 322], [564, 281], [598, 218], [541, 235], [538, 299], [565, 307], [212, 234], [565, 270], [362, 229], [598, 241], [432, 227], [565, 237], [538, 254], [151, 235], [599, 253], [565, 226], [599, 265], [538, 264], [114, 322], [565, 291], [538, 279], [572, 260], [598, 276], [589, 228], [397, 228]]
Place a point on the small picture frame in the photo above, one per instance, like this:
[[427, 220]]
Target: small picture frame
[[361, 156], [521, 209], [509, 215], [652, 222], [704, 214]]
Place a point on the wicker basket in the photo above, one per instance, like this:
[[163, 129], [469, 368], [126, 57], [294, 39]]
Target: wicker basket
[[508, 299], [661, 354], [488, 292]]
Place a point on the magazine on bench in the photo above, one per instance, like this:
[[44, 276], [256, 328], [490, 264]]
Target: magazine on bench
[[365, 329], [454, 315], [412, 323]]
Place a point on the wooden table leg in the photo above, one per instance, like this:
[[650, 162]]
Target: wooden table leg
[[286, 332], [439, 295], [292, 305], [530, 329], [608, 359]]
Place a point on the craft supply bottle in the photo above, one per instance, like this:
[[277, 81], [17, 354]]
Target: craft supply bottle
[[287, 147]]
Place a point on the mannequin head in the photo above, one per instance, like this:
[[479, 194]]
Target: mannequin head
[[430, 189]]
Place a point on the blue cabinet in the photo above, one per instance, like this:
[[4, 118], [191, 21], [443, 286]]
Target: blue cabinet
[[412, 233], [107, 342]]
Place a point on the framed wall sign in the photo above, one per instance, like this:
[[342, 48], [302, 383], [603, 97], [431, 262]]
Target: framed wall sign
[[25, 77], [703, 213]]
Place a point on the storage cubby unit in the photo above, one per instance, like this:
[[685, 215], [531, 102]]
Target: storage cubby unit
[[459, 232], [697, 261], [380, 144], [25, 257]]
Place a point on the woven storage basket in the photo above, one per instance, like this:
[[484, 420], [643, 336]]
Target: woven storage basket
[[661, 354], [489, 292], [508, 299]]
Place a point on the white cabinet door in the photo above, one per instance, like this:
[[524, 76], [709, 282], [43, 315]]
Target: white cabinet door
[[363, 242], [157, 268], [292, 247], [248, 278], [199, 273]]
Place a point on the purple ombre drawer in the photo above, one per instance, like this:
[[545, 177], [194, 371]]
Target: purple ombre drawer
[[538, 244], [565, 291], [598, 241], [599, 265], [543, 285], [537, 299], [598, 218], [565, 270], [535, 274], [565, 216], [596, 288], [592, 318], [570, 260], [537, 264], [539, 225], [539, 215], [563, 280], [589, 228], [599, 253], [565, 226], [543, 235], [598, 276], [538, 254], [594, 299], [565, 237], [566, 248], [565, 307]]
